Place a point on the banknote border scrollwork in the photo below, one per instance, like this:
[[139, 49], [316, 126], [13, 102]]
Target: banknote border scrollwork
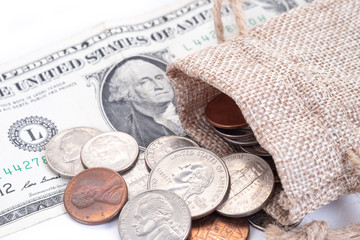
[[31, 209]]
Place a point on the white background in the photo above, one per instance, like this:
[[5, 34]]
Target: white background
[[27, 26]]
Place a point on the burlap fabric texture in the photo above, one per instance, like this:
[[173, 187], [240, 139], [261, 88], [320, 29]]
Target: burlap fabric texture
[[296, 79]]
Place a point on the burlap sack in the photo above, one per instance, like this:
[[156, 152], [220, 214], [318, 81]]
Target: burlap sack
[[296, 79]]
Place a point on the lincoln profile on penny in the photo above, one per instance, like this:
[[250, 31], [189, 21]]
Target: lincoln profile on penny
[[111, 192], [143, 86]]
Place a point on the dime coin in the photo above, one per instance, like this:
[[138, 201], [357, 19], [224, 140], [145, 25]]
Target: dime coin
[[164, 145], [136, 177], [251, 184], [256, 150], [195, 174], [261, 220], [234, 133], [63, 150], [95, 196], [155, 214], [223, 112], [216, 226], [115, 150], [248, 142]]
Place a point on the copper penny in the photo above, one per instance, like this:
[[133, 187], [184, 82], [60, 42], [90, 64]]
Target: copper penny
[[222, 112], [218, 227], [95, 196]]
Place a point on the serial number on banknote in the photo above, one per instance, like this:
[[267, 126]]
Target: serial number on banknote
[[191, 44], [25, 166]]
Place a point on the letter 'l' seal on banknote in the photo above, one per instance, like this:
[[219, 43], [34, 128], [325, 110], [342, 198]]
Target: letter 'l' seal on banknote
[[32, 133]]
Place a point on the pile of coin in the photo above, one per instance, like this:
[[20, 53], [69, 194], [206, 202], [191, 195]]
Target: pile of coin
[[229, 123], [161, 192]]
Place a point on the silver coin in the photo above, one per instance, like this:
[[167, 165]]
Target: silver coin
[[115, 150], [234, 133], [261, 220], [256, 150], [63, 150], [155, 214], [136, 177], [251, 184], [246, 139], [248, 142], [164, 145], [195, 174]]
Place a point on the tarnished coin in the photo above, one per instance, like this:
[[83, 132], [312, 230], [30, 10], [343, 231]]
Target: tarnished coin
[[136, 177], [256, 150], [219, 227], [115, 150], [195, 174], [63, 150], [234, 133], [155, 214], [251, 184], [222, 112], [95, 196], [251, 141], [164, 145], [261, 220]]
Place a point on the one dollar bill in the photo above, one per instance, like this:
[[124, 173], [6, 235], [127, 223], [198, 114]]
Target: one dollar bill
[[111, 78]]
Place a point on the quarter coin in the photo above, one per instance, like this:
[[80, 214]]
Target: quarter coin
[[115, 150], [197, 175], [222, 112], [251, 184], [63, 150], [136, 177], [95, 196], [216, 226], [164, 145], [261, 220], [155, 214]]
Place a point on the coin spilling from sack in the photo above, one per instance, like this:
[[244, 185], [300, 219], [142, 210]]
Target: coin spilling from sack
[[95, 196], [186, 182], [197, 175], [216, 226], [228, 122], [164, 145], [261, 220], [155, 214], [251, 184]]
